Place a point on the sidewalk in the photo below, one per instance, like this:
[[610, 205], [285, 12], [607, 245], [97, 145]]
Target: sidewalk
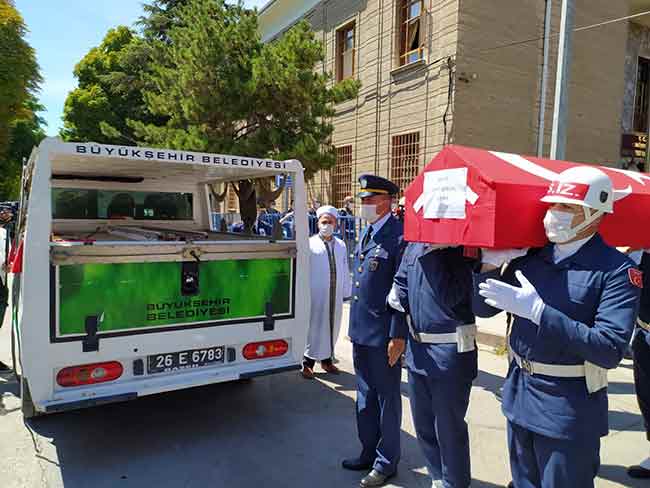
[[625, 445], [277, 431]]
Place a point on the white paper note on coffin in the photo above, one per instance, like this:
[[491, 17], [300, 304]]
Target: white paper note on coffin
[[444, 194]]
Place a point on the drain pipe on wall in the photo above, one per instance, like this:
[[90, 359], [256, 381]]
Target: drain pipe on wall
[[544, 87]]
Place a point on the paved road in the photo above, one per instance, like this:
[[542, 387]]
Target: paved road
[[279, 431]]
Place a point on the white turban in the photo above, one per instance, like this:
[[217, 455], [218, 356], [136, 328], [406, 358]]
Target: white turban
[[327, 209]]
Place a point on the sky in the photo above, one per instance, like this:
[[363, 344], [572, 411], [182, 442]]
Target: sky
[[62, 32]]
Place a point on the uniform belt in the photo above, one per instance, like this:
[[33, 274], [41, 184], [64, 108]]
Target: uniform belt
[[642, 324], [426, 338], [557, 370]]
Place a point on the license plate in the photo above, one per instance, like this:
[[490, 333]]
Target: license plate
[[175, 361]]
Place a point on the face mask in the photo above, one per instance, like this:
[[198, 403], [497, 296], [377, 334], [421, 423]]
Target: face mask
[[326, 230], [558, 226], [369, 212]]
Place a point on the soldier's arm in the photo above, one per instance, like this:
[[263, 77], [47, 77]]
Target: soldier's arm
[[479, 307], [605, 343], [398, 326], [480, 274], [398, 297], [459, 276]]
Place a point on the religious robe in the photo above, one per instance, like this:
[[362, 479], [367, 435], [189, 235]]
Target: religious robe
[[328, 289]]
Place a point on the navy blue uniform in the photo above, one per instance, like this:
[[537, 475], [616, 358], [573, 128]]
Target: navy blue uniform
[[591, 303], [372, 325], [435, 288], [641, 348]]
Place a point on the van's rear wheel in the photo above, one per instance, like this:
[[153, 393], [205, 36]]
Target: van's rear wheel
[[27, 407]]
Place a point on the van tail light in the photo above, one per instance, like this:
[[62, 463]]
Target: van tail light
[[89, 374], [266, 349]]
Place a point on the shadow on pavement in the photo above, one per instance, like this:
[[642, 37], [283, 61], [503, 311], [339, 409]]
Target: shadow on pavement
[[619, 388], [276, 431], [627, 421], [490, 382], [619, 475]]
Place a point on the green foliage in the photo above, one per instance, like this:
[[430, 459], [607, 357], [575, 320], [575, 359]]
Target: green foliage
[[159, 17], [223, 90], [19, 75], [109, 91], [24, 134], [199, 78]]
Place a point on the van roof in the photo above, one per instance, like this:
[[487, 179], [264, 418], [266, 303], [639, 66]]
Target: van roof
[[69, 159]]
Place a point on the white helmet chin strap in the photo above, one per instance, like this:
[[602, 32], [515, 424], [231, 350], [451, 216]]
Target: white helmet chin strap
[[589, 219]]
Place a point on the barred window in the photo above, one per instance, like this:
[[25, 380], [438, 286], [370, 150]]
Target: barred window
[[405, 159], [345, 52], [411, 31], [342, 175], [641, 99]]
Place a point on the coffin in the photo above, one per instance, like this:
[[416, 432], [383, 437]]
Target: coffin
[[479, 198]]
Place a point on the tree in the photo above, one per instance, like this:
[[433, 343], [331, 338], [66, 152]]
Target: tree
[[111, 79], [25, 133], [19, 74], [159, 17], [109, 91], [223, 90]]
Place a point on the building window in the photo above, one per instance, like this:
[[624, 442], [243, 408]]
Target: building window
[[641, 99], [411, 31], [342, 176], [345, 52], [405, 159]]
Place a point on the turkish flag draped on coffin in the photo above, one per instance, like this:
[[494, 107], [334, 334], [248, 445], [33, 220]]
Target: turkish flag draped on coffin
[[475, 197]]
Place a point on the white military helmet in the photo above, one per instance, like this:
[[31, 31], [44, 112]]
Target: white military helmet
[[582, 185]]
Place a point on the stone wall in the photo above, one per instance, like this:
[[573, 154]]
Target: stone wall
[[499, 109], [392, 100], [638, 45], [494, 97]]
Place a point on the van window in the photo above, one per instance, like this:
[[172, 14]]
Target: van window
[[70, 203]]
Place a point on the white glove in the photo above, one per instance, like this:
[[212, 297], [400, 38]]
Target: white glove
[[524, 302], [499, 257]]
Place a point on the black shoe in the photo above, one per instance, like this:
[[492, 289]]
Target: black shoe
[[638, 472], [356, 464], [4, 368], [511, 485], [375, 478]]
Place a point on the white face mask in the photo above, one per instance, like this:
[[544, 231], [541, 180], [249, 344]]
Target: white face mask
[[326, 230], [369, 212], [558, 226]]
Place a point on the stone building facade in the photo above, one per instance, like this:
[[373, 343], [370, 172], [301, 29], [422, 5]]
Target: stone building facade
[[435, 72]]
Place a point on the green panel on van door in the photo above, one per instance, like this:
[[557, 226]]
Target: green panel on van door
[[136, 295]]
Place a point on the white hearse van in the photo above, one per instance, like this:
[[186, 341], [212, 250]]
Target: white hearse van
[[126, 287]]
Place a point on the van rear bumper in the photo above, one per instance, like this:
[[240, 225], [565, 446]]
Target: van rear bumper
[[119, 392], [91, 402]]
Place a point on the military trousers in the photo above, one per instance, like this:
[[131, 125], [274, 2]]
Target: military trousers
[[537, 461], [439, 407], [379, 407], [641, 351]]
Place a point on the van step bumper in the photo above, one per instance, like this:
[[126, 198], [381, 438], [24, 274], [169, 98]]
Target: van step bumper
[[266, 372], [91, 402]]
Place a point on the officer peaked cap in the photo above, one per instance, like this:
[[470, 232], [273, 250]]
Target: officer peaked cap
[[376, 185]]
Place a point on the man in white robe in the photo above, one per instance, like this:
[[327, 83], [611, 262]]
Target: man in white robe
[[330, 285]]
